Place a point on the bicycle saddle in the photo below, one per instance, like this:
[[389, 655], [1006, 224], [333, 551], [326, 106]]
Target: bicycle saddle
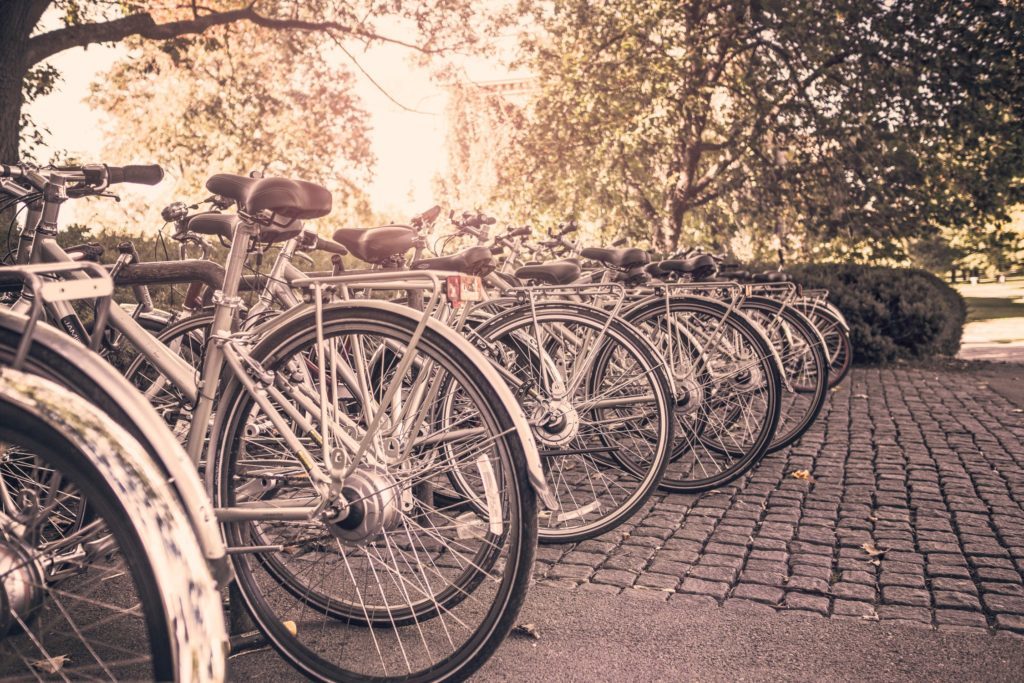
[[219, 224], [655, 270], [772, 276], [289, 198], [618, 258], [699, 266], [374, 245], [551, 273], [472, 261]]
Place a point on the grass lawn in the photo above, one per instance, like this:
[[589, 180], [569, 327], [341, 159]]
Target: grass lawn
[[995, 317]]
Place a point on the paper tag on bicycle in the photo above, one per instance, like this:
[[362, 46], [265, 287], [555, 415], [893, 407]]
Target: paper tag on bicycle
[[465, 288], [483, 463]]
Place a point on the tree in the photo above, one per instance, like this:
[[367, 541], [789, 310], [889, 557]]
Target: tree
[[837, 127], [234, 99], [437, 27]]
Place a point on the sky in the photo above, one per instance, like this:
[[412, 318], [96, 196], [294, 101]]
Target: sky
[[409, 146]]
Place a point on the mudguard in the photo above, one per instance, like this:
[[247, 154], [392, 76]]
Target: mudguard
[[98, 382], [125, 463], [498, 387]]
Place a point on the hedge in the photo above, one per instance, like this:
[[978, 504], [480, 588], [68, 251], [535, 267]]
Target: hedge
[[893, 312]]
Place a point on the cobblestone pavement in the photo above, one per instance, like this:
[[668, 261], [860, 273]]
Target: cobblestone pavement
[[924, 466]]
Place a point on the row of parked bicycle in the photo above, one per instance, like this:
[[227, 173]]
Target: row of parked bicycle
[[367, 456]]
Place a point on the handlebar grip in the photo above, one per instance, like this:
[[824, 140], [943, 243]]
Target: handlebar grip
[[330, 246], [140, 175], [620, 242], [521, 232], [497, 250], [430, 214], [571, 228], [489, 220]]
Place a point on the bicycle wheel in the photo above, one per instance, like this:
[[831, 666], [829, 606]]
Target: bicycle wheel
[[116, 588], [187, 338], [837, 340], [600, 404], [727, 385], [804, 362], [407, 586]]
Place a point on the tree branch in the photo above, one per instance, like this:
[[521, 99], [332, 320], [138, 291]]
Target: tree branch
[[143, 24]]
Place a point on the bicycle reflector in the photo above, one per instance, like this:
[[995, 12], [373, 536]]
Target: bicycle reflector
[[465, 288]]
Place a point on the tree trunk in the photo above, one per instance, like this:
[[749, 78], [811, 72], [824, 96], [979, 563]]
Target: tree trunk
[[17, 18], [16, 23]]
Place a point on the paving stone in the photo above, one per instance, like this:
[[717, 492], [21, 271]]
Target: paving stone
[[954, 617], [657, 581], [713, 573], [1011, 622], [1008, 604], [674, 568], [806, 584], [804, 601], [852, 608], [854, 576], [606, 588], [1014, 589], [588, 559], [777, 579], [945, 584], [714, 589], [992, 574], [853, 591], [758, 593], [575, 572], [905, 580], [629, 563], [614, 577], [905, 613], [898, 595], [934, 479]]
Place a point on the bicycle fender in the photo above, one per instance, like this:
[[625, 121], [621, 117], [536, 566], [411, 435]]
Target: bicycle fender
[[498, 385], [115, 452], [101, 384]]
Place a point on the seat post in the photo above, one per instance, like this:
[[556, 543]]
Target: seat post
[[226, 298]]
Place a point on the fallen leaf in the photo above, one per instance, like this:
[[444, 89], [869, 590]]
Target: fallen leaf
[[51, 665], [860, 396], [871, 550], [1017, 410], [527, 630], [801, 474], [870, 617]]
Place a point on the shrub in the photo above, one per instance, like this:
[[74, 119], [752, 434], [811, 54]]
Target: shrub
[[893, 312]]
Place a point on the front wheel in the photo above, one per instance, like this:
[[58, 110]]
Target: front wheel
[[115, 587]]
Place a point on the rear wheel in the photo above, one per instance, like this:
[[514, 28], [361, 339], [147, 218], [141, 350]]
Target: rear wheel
[[801, 351], [727, 387], [605, 442], [409, 585]]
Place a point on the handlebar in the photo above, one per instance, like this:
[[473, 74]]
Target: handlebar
[[330, 246], [96, 175]]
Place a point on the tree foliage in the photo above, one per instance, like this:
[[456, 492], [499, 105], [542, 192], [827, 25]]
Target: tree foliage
[[827, 128], [235, 99]]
